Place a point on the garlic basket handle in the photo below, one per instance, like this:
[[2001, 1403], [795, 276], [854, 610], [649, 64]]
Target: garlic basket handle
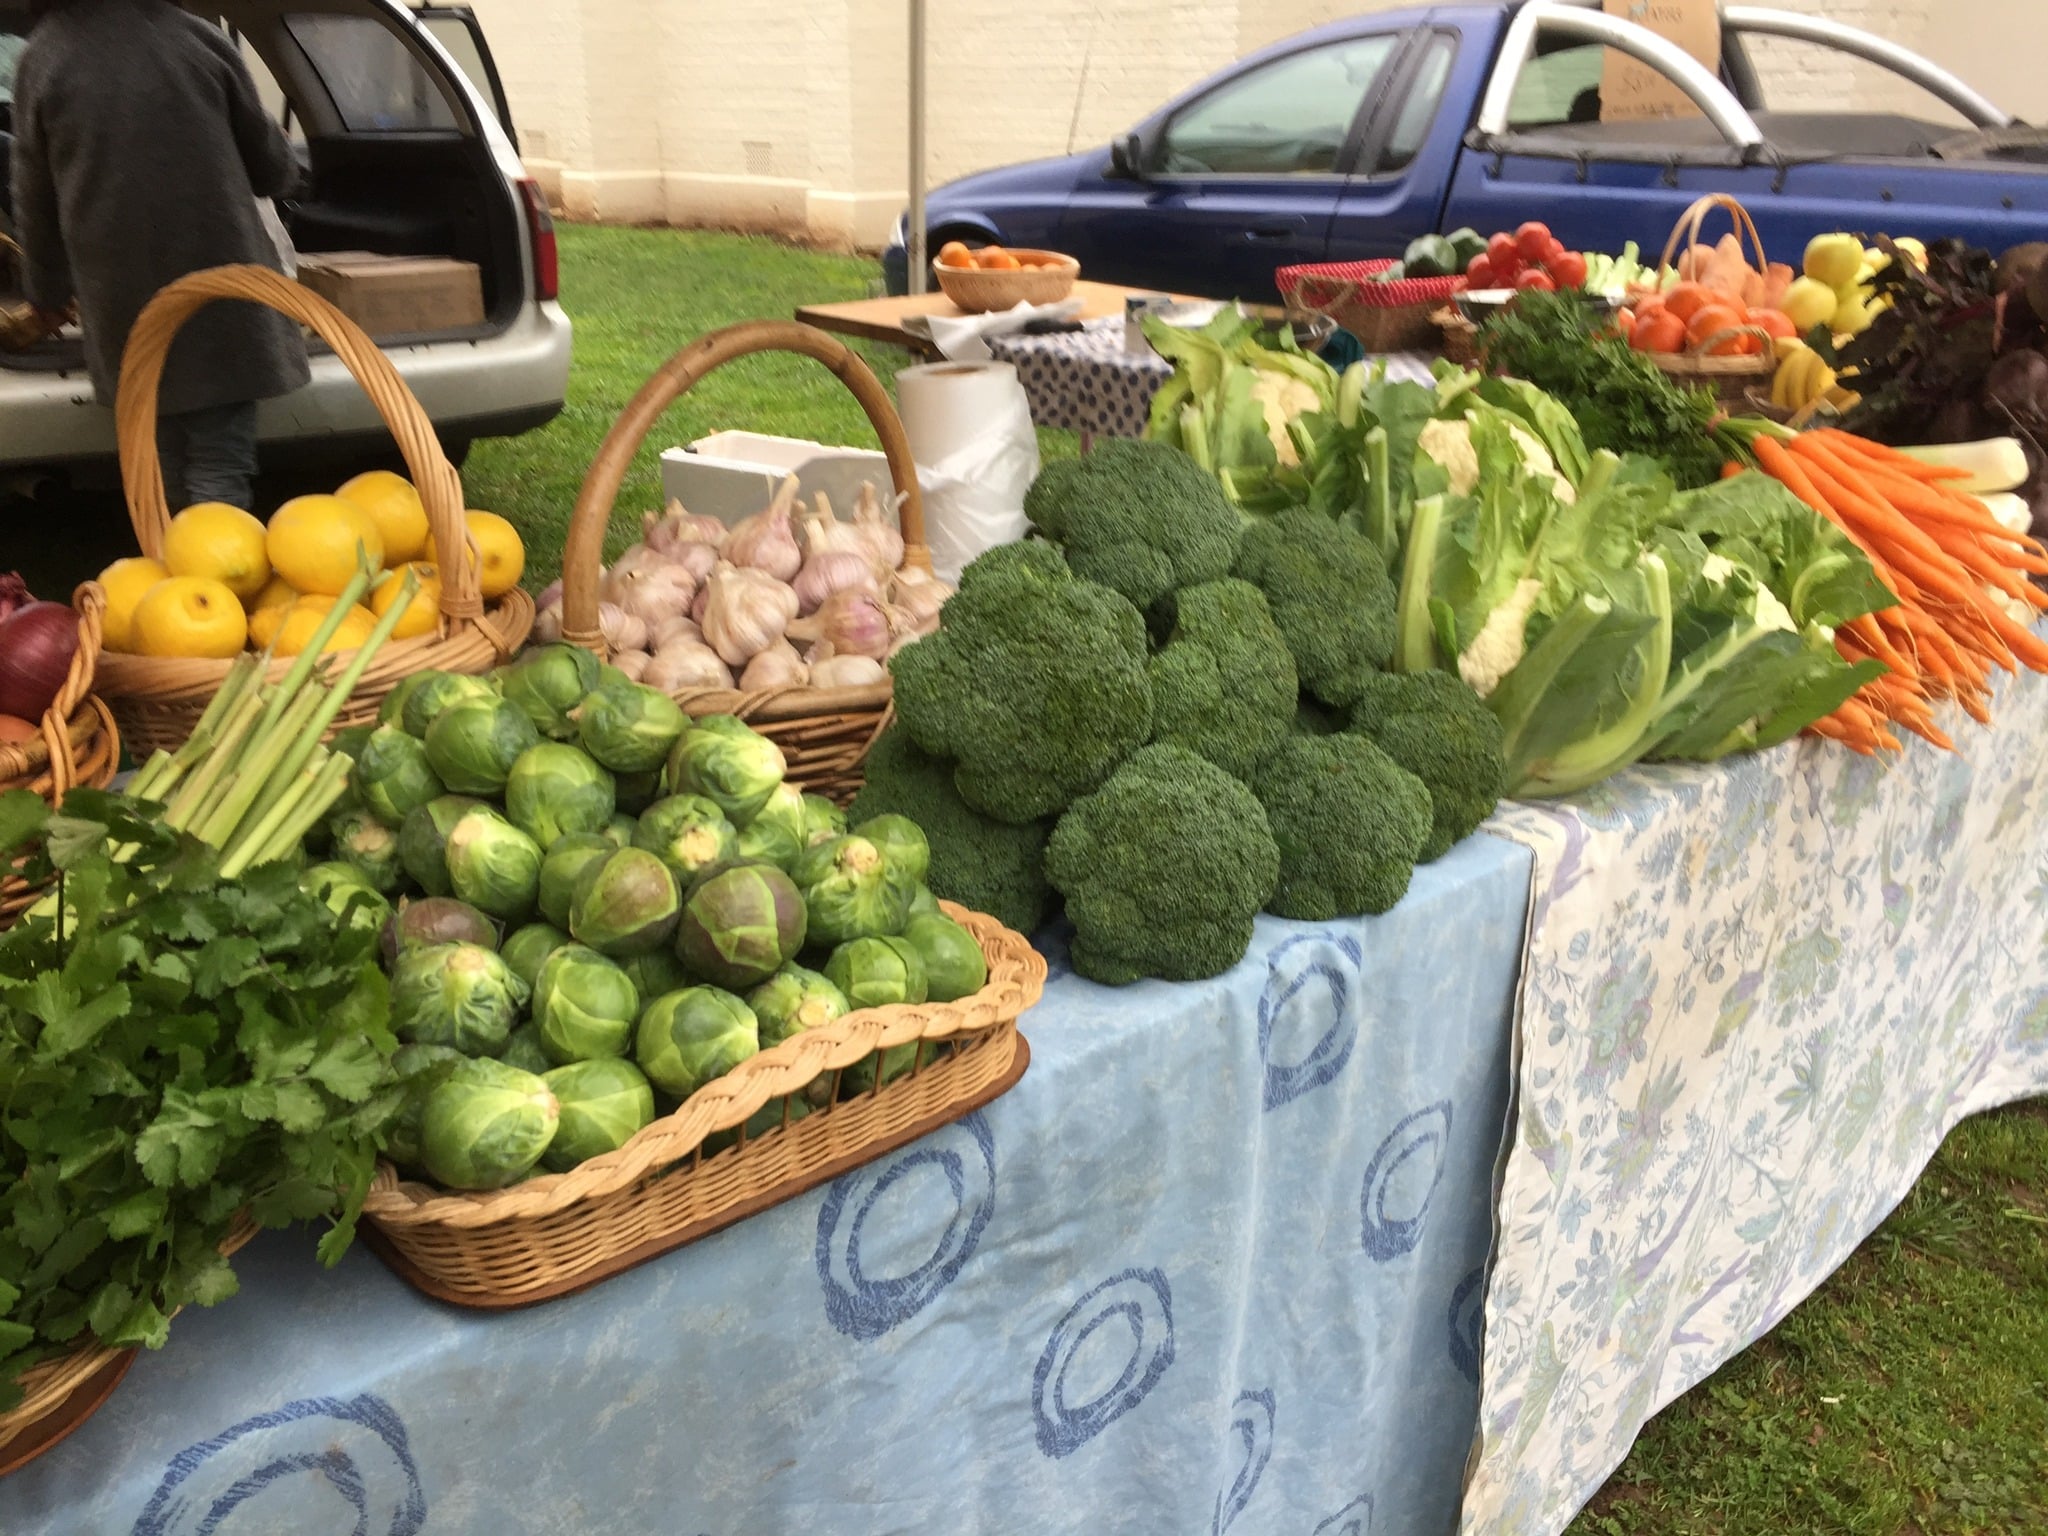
[[583, 553]]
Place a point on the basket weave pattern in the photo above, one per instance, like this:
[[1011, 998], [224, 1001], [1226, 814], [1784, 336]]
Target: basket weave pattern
[[1385, 317], [559, 1232], [158, 700], [824, 733]]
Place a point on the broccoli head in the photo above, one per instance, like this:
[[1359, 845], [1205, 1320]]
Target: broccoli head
[[1035, 687], [1330, 594], [1164, 869], [1437, 728], [988, 865], [1139, 517], [1223, 686], [1348, 820]]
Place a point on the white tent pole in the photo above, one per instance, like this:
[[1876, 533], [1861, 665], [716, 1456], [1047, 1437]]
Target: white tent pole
[[914, 241]]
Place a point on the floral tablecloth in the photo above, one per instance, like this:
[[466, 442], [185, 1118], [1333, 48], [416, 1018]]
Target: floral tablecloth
[[1756, 998]]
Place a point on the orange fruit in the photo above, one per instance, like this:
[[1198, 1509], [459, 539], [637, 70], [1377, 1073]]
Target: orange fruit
[[954, 254], [1708, 320], [1687, 299], [1775, 321], [996, 259], [1658, 332]]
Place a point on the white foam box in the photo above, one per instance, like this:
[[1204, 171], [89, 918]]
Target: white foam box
[[731, 475]]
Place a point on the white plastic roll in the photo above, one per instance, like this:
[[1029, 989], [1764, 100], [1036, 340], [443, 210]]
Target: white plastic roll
[[970, 431]]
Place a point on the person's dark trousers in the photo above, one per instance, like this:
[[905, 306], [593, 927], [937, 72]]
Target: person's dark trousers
[[209, 455]]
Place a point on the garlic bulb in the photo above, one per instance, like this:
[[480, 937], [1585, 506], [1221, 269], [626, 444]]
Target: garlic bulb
[[847, 672], [777, 667], [698, 558], [745, 612], [825, 534], [655, 595], [621, 631], [635, 558], [919, 595], [884, 539], [681, 627], [547, 622], [851, 622], [685, 664], [550, 594], [829, 571], [633, 663], [766, 541], [677, 529]]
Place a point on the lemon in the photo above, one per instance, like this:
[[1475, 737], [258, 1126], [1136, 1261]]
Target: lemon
[[126, 581], [265, 622], [190, 616], [218, 541], [276, 593], [312, 543], [499, 547], [304, 618], [391, 503], [423, 614]]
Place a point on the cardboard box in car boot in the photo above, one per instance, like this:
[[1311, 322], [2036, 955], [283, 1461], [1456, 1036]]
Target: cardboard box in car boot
[[397, 295]]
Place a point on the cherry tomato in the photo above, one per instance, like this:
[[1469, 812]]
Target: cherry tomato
[[1479, 273], [1569, 269], [1532, 240], [1535, 278], [1500, 250]]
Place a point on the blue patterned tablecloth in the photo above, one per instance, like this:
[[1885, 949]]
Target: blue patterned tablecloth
[[1214, 1265]]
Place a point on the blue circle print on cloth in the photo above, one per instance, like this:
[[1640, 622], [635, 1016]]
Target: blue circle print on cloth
[[1354, 1519], [1402, 1181], [1468, 1309], [251, 1480], [1307, 999], [1103, 1357], [1251, 1421], [892, 1235]]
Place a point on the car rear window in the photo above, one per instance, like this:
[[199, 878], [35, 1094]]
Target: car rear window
[[377, 84]]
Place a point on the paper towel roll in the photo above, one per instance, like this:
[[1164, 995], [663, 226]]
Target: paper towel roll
[[970, 431], [945, 406]]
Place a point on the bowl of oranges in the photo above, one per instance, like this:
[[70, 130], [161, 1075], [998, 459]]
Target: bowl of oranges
[[998, 277]]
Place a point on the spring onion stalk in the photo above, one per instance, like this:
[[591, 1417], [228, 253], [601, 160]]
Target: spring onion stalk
[[196, 795], [288, 687], [253, 833], [259, 763], [317, 802], [152, 775]]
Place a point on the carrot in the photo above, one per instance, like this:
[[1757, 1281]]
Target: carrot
[[1848, 736], [1865, 499], [1871, 636], [1904, 463], [2024, 644], [1975, 559], [1781, 466], [1730, 470], [1901, 540]]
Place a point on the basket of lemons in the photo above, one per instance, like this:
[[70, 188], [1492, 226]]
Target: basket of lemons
[[214, 581]]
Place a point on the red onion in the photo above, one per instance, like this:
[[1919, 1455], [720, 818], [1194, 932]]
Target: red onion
[[14, 593], [36, 646]]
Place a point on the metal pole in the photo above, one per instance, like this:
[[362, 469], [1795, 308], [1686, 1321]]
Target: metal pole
[[914, 236]]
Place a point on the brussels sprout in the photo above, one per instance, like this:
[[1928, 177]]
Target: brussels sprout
[[548, 682], [604, 1105], [902, 843], [823, 820], [418, 1070], [688, 833], [735, 767], [741, 926], [785, 809], [459, 995], [555, 790], [486, 1126], [436, 920], [585, 1005], [370, 848], [393, 778], [954, 965], [564, 865], [347, 893], [436, 694], [625, 904], [656, 973], [525, 1051], [852, 891], [795, 999], [923, 904], [637, 791], [876, 973], [620, 829], [526, 949], [350, 740], [493, 865], [392, 710], [473, 744], [767, 842], [689, 1037], [629, 728], [423, 841]]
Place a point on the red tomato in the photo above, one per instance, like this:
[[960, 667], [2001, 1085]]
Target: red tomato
[[1500, 250], [1569, 269], [1537, 279], [1532, 240], [1552, 250], [1479, 274]]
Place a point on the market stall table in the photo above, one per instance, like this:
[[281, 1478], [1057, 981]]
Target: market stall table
[[882, 319]]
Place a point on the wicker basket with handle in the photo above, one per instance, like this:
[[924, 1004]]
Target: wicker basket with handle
[[558, 1233], [76, 742], [824, 733], [1730, 375], [158, 700]]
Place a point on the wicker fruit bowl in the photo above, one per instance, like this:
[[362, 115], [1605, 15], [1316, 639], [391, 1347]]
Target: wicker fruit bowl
[[1043, 277]]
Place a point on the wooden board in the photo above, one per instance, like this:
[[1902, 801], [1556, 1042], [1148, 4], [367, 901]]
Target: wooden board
[[882, 319]]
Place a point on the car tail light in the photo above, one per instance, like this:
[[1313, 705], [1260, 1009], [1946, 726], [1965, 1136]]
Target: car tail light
[[540, 224]]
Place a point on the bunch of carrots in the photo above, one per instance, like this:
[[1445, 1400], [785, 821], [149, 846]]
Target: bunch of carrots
[[1948, 560]]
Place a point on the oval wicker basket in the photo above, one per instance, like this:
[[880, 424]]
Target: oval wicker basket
[[976, 292], [558, 1233], [77, 743], [61, 1393], [158, 700], [824, 733]]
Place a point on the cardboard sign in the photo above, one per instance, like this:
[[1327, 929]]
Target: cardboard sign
[[1631, 90]]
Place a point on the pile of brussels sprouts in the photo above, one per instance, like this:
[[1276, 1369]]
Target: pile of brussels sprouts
[[602, 905]]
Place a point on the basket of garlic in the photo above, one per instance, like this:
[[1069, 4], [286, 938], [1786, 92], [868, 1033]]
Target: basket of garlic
[[788, 618]]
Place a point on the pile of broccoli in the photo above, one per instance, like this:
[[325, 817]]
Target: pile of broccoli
[[1173, 720]]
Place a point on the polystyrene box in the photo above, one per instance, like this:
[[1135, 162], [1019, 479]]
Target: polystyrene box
[[731, 475]]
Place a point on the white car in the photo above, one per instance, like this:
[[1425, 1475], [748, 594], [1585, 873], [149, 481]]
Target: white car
[[401, 126]]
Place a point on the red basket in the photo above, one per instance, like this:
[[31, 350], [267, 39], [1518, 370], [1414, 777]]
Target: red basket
[[1385, 317]]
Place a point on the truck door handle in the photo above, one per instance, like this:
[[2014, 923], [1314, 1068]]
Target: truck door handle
[[1272, 231]]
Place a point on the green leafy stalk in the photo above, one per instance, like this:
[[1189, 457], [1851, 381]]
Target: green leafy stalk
[[236, 798], [196, 794], [1379, 493], [1414, 633], [318, 801]]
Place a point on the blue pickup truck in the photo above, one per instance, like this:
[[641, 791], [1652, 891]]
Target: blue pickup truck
[[1351, 140]]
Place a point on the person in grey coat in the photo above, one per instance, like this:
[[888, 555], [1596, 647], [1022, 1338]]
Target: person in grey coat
[[140, 150]]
